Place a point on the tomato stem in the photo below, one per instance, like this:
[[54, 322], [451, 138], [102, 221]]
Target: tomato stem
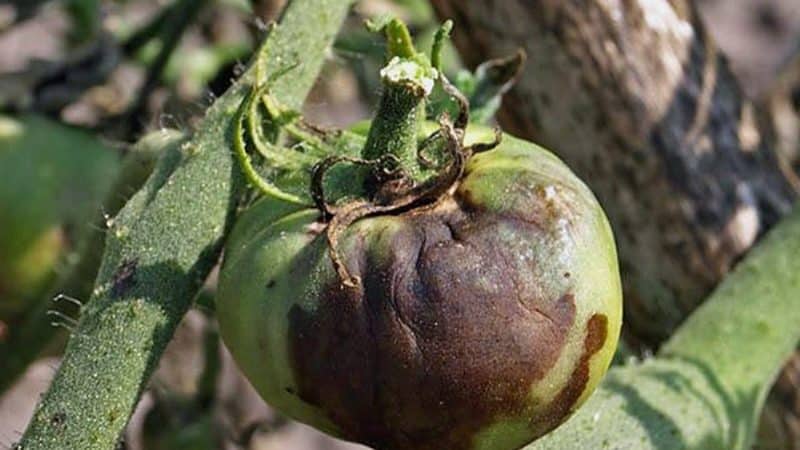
[[408, 79], [396, 127]]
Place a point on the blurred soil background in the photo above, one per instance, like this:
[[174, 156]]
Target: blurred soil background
[[98, 84]]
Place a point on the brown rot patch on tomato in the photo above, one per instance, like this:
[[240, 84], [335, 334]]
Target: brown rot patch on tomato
[[564, 403], [445, 336], [124, 278]]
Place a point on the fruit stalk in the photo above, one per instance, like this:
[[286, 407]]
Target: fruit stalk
[[161, 248], [408, 79], [394, 131]]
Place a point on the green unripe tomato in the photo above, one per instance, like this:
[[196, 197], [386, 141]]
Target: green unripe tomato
[[28, 270], [52, 181], [482, 322]]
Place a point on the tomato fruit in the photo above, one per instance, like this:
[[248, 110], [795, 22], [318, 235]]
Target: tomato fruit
[[481, 321], [52, 181]]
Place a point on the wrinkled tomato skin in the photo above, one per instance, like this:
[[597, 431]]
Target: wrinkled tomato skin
[[481, 322]]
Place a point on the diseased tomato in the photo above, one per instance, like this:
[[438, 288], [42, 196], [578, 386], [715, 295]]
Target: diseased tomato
[[481, 320]]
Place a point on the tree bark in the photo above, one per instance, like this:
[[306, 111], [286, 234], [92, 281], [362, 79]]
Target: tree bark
[[636, 98]]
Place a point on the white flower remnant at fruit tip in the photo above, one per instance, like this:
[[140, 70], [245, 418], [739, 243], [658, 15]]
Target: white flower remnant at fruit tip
[[401, 70]]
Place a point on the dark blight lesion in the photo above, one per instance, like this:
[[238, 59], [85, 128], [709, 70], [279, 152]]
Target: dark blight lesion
[[565, 402], [425, 356]]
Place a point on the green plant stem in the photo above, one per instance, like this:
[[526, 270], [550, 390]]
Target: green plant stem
[[161, 247], [407, 82], [396, 127], [706, 387], [29, 338]]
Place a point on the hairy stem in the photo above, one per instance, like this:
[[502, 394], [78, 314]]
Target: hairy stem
[[408, 79], [396, 127], [161, 248], [36, 331]]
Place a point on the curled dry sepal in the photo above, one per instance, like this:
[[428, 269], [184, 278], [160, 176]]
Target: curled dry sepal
[[431, 286]]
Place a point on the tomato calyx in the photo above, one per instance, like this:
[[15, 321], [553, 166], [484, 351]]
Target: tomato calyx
[[397, 195], [392, 171], [396, 180]]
